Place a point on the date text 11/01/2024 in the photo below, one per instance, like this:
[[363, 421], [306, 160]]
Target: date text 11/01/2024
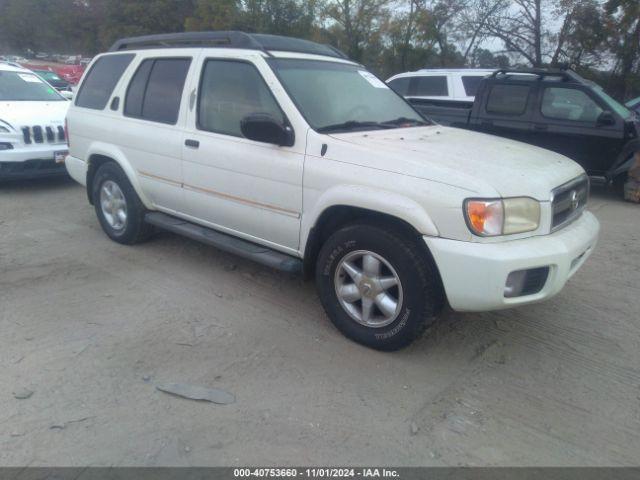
[[315, 473]]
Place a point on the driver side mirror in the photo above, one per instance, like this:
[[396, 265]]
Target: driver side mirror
[[262, 127], [606, 119]]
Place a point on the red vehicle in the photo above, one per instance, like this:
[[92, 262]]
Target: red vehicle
[[71, 73]]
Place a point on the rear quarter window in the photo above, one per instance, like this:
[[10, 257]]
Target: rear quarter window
[[155, 91], [508, 99], [101, 79], [430, 87]]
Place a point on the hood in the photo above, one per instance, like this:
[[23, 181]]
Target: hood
[[20, 114], [474, 161]]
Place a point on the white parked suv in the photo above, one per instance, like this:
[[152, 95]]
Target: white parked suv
[[32, 137], [439, 86], [286, 152]]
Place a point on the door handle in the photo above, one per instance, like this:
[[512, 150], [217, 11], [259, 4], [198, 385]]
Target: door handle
[[540, 127], [192, 143]]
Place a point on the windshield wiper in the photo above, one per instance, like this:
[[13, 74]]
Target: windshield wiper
[[353, 125], [401, 121]]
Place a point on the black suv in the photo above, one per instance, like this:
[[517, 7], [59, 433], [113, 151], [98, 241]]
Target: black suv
[[554, 109]]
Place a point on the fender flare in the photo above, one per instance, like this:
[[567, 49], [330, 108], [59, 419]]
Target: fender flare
[[114, 153], [368, 198]]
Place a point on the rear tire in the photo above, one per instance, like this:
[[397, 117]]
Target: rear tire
[[118, 207], [353, 268]]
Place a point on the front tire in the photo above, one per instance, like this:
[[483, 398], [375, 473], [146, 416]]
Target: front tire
[[118, 207], [378, 288]]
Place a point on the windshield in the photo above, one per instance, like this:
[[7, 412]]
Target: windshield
[[613, 104], [339, 97], [19, 86], [49, 76]]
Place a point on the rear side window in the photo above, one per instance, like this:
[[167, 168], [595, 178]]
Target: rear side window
[[156, 90], [471, 84], [400, 85], [101, 79], [430, 87], [508, 99]]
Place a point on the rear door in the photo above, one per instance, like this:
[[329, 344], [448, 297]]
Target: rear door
[[151, 129], [506, 109], [567, 122]]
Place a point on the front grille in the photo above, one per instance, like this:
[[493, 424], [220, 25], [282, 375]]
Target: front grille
[[39, 134], [568, 201]]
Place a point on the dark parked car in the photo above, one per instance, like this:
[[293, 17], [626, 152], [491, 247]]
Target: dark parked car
[[554, 109], [634, 105], [54, 80]]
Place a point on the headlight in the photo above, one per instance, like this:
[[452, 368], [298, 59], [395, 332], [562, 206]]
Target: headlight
[[4, 129], [491, 217]]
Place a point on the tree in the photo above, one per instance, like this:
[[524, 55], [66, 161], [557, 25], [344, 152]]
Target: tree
[[357, 23], [214, 15], [624, 39]]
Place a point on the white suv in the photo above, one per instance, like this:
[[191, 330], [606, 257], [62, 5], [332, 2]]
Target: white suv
[[444, 86], [32, 137], [286, 152]]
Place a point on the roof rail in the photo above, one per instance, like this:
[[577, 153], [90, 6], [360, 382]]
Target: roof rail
[[227, 39], [567, 74]]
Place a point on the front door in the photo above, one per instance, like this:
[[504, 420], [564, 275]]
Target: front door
[[234, 184], [567, 122]]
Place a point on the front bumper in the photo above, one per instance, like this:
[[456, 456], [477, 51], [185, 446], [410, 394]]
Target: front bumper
[[31, 161], [475, 274]]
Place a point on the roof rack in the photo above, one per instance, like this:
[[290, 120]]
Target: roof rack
[[227, 39], [566, 74]]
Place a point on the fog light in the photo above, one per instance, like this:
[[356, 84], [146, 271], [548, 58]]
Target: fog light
[[5, 146], [526, 282]]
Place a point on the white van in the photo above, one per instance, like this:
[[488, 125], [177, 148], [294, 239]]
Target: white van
[[287, 152], [445, 85]]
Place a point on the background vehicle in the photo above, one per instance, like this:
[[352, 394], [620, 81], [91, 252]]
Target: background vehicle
[[554, 109], [32, 136], [634, 105], [448, 87], [53, 79], [288, 153]]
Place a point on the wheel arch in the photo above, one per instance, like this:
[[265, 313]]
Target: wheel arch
[[101, 154], [333, 217]]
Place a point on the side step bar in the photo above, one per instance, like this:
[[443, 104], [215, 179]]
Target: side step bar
[[242, 248]]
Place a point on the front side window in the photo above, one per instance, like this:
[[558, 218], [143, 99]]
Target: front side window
[[334, 96], [401, 85], [25, 87], [155, 91], [231, 91], [430, 87], [508, 99], [569, 104], [101, 79]]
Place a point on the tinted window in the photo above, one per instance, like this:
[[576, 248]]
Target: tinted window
[[508, 99], [135, 92], [401, 85], [569, 104], [430, 87], [156, 89], [471, 84], [101, 79], [229, 91]]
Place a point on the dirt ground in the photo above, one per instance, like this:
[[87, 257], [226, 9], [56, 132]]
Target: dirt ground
[[91, 327]]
